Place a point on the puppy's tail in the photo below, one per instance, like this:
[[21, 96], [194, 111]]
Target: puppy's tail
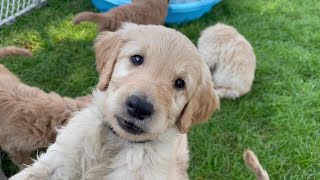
[[253, 164], [12, 50], [98, 18]]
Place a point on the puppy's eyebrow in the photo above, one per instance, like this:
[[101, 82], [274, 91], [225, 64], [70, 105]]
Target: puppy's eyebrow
[[184, 71], [133, 49]]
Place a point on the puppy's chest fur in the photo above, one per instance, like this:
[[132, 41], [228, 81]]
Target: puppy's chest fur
[[116, 158]]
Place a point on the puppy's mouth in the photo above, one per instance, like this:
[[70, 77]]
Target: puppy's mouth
[[129, 127]]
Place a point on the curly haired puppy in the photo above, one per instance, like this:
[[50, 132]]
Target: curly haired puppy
[[139, 12], [158, 87], [29, 116], [230, 58]]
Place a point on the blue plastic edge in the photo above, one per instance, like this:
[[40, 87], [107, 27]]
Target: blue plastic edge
[[177, 13]]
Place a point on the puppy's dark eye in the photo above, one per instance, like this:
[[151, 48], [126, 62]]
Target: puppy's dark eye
[[179, 84], [137, 60]]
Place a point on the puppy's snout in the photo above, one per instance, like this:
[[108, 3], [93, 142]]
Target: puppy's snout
[[139, 107]]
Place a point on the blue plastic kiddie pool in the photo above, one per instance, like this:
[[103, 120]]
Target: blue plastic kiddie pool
[[177, 13]]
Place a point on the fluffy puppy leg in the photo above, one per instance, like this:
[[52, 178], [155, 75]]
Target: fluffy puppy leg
[[12, 50], [253, 164], [229, 93]]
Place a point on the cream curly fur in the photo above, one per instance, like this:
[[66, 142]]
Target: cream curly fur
[[230, 58]]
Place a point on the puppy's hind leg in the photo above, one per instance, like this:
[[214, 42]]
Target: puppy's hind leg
[[225, 92]]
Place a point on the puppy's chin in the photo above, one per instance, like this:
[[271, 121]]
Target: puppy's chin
[[130, 131], [129, 126]]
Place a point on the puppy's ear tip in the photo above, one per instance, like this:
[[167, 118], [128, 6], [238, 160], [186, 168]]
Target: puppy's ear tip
[[218, 105], [183, 131], [184, 126]]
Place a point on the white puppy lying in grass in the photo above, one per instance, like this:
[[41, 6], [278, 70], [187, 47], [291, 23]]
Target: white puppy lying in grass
[[230, 58]]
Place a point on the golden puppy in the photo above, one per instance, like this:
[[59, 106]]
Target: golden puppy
[[29, 116], [230, 58], [158, 87], [139, 12]]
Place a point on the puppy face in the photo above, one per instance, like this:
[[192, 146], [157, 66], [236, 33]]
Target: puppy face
[[154, 79]]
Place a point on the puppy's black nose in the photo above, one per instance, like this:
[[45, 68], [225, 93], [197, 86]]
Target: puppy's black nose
[[139, 108]]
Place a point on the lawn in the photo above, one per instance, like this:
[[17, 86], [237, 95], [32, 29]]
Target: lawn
[[279, 119]]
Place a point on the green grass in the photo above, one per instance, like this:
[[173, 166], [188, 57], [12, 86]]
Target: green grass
[[279, 119]]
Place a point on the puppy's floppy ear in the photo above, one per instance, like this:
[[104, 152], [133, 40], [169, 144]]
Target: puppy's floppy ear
[[201, 105], [108, 45]]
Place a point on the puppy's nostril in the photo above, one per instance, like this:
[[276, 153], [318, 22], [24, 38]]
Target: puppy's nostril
[[139, 108], [130, 105], [147, 109], [133, 103]]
